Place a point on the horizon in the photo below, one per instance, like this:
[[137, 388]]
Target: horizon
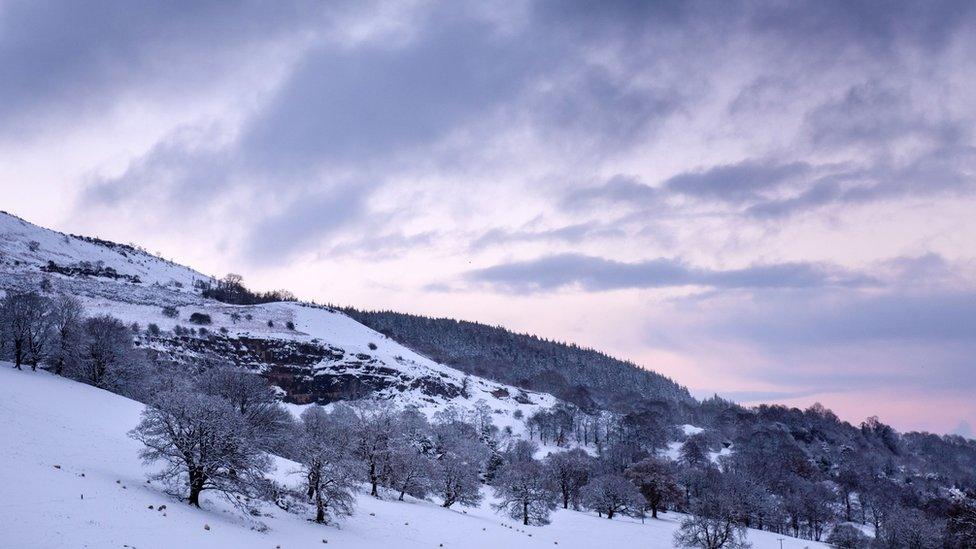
[[772, 203], [698, 396]]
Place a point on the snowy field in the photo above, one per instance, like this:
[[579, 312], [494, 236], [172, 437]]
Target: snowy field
[[71, 478]]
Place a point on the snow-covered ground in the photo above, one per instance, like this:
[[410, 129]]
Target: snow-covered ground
[[71, 478], [26, 250], [23, 243]]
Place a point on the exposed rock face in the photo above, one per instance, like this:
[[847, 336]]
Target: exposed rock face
[[314, 353], [307, 372]]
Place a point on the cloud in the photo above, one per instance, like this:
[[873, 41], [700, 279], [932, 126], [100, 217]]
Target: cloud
[[598, 274], [769, 189], [76, 60], [872, 114], [298, 132], [938, 173], [618, 189], [570, 234], [385, 246], [298, 226], [735, 182], [844, 318]]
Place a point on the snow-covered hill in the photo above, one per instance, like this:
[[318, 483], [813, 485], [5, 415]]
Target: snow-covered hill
[[71, 478], [26, 246], [315, 354]]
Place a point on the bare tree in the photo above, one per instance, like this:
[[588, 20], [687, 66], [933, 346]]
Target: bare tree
[[253, 398], [66, 324], [694, 451], [323, 448], [459, 455], [611, 495], [654, 478], [568, 471], [712, 524], [203, 443], [456, 479], [373, 426], [410, 472], [25, 321], [106, 350], [524, 493]]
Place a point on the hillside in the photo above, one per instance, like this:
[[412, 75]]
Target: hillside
[[794, 472], [586, 377], [314, 354], [72, 479]]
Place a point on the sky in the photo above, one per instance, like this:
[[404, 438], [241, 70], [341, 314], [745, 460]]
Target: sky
[[772, 201]]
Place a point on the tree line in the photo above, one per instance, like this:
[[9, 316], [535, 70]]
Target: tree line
[[801, 473]]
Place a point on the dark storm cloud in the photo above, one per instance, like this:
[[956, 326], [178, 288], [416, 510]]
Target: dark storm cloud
[[598, 274]]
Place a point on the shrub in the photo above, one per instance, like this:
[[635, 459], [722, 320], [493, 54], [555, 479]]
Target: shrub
[[372, 346], [170, 311], [231, 289], [290, 325], [847, 536], [271, 324], [152, 329], [200, 318]]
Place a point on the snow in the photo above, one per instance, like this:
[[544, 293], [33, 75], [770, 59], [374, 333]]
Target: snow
[[164, 283], [16, 236], [49, 421]]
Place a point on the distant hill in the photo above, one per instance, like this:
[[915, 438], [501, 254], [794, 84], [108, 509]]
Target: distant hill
[[585, 377]]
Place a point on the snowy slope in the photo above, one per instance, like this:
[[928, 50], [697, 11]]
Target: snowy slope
[[24, 244], [326, 357], [63, 440]]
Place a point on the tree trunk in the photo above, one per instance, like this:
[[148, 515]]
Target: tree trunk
[[18, 354], [525, 513], [373, 480], [196, 486], [653, 511], [319, 508], [194, 495], [565, 499], [610, 514]]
